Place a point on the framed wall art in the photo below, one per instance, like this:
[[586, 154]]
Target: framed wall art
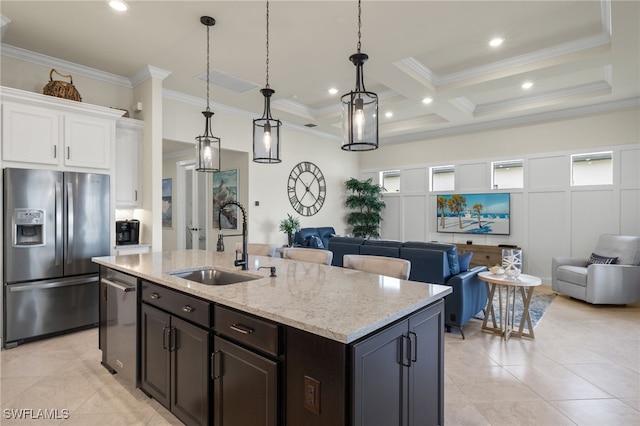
[[225, 188], [167, 203]]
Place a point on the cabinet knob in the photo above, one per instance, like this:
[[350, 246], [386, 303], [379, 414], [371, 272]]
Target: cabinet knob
[[187, 308], [155, 296]]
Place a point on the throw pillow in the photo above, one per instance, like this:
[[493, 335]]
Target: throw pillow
[[454, 265], [315, 242], [464, 259], [601, 260]]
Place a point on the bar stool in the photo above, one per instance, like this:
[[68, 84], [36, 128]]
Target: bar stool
[[388, 266], [308, 255]]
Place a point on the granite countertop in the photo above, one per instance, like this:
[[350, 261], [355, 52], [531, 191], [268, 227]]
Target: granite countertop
[[337, 303]]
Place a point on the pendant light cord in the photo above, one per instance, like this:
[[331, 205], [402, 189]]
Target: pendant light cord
[[208, 68], [267, 61], [359, 24]]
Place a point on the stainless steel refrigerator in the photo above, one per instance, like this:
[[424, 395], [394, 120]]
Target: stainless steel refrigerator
[[54, 222]]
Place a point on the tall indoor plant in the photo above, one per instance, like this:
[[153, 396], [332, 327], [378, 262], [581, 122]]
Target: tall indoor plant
[[289, 226], [364, 199]]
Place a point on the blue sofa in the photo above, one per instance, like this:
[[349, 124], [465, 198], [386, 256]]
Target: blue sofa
[[306, 237], [436, 263]]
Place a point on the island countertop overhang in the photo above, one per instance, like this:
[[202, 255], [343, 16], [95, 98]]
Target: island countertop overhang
[[337, 303]]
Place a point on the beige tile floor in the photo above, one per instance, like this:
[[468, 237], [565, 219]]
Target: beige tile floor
[[583, 368]]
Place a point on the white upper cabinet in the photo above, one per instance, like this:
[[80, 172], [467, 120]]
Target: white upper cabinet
[[87, 141], [128, 146], [30, 134], [40, 129]]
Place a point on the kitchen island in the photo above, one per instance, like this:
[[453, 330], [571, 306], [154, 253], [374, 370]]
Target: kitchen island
[[334, 346]]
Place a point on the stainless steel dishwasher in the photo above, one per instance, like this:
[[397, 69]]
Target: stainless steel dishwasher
[[118, 323]]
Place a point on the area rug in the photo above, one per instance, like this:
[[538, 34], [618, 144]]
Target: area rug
[[539, 304]]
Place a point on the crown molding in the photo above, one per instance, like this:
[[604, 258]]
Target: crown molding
[[201, 103], [516, 121], [147, 72], [75, 69], [550, 95]]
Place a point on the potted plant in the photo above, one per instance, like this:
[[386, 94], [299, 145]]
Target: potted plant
[[289, 226], [367, 205]]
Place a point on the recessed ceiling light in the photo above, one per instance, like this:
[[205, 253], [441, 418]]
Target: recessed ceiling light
[[527, 85], [495, 42], [119, 5], [427, 101], [388, 114], [333, 91]]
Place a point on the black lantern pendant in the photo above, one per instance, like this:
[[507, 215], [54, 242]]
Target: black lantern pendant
[[266, 130], [208, 148], [359, 107]]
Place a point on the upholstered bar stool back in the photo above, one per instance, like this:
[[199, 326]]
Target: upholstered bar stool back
[[308, 255], [388, 266], [258, 249]]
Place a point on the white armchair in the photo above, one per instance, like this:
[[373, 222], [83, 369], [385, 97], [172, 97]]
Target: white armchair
[[616, 284]]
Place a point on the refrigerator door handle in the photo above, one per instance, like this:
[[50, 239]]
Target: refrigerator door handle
[[70, 214], [58, 225], [52, 284]]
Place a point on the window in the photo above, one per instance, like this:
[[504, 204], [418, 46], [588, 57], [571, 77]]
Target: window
[[390, 180], [507, 174], [595, 168], [442, 178]]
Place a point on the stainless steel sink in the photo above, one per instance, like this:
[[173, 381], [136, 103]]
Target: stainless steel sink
[[212, 276]]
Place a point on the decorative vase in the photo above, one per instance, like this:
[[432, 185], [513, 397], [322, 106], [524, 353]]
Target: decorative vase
[[290, 239], [512, 262]]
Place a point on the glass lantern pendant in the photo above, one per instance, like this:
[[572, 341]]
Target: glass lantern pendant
[[266, 130], [208, 147], [359, 107], [266, 133], [359, 113]]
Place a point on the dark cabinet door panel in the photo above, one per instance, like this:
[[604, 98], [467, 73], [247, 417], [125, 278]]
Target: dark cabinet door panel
[[245, 387], [190, 373], [426, 375], [155, 358], [379, 378]]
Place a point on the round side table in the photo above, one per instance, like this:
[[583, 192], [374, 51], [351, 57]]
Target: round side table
[[506, 327]]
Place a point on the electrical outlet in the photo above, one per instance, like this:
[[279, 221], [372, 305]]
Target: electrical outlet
[[312, 394]]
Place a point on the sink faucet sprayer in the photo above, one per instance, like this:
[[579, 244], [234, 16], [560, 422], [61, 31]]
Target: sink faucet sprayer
[[244, 261]]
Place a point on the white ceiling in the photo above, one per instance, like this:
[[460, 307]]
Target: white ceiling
[[582, 56]]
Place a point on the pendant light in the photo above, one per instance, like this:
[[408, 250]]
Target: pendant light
[[359, 107], [208, 148], [266, 130]]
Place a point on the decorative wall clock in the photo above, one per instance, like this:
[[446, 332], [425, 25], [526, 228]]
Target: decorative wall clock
[[306, 188]]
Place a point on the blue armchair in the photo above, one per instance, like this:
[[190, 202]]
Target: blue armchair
[[313, 237]]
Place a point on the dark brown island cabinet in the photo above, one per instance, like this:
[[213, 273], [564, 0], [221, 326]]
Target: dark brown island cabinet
[[175, 345], [211, 364]]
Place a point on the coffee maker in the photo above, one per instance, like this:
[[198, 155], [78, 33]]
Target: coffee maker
[[127, 232]]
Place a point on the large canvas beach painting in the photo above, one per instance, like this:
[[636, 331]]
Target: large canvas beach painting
[[474, 213]]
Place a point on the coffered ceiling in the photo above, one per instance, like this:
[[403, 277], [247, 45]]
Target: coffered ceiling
[[581, 56]]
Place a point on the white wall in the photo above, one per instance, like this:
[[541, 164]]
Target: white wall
[[267, 183], [549, 217]]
